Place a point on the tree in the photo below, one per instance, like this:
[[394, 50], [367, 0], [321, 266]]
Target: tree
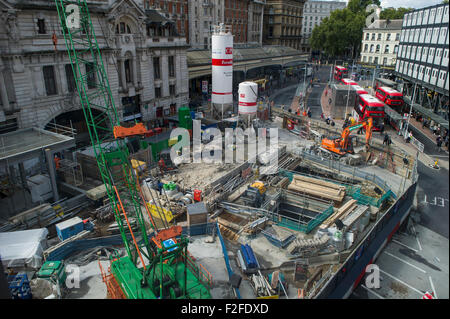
[[392, 13], [339, 34], [357, 6]]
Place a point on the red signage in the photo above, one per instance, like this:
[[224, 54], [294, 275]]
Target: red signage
[[222, 62], [228, 50]]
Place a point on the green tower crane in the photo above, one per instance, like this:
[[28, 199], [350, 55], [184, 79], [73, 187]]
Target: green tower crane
[[157, 264]]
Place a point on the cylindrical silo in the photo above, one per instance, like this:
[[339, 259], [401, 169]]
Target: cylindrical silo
[[222, 70], [248, 95]]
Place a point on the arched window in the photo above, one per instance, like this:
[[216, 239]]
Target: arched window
[[366, 47], [378, 48], [123, 28], [386, 48], [371, 48], [395, 49]]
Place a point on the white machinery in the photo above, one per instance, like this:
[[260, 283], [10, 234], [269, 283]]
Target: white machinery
[[222, 69]]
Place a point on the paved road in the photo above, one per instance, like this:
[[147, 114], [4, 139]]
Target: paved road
[[313, 101], [433, 199]]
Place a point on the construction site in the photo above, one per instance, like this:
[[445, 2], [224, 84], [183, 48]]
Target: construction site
[[119, 219]]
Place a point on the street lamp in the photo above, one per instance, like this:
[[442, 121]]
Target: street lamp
[[410, 109]]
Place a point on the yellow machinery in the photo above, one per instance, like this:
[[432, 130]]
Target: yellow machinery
[[259, 186]]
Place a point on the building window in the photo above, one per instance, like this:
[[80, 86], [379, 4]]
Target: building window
[[171, 66], [364, 59], [41, 26], [371, 48], [384, 61], [49, 79], [395, 49], [71, 86], [366, 47], [90, 73], [205, 43], [388, 37], [367, 36], [127, 71], [373, 36], [379, 36], [157, 92], [377, 50], [376, 60], [386, 49], [172, 89], [156, 68]]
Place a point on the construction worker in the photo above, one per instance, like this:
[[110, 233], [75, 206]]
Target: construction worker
[[57, 160]]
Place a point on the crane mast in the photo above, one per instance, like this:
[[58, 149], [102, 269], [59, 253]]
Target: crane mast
[[146, 272]]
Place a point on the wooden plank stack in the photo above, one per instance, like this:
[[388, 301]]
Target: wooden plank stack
[[317, 188], [341, 213]]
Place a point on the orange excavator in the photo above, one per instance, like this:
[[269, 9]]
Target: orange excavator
[[343, 144]]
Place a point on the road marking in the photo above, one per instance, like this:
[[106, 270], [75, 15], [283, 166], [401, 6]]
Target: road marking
[[373, 292], [417, 238], [432, 287], [437, 201], [400, 243], [387, 253], [404, 283]]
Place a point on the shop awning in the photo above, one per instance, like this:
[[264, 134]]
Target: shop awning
[[427, 113]]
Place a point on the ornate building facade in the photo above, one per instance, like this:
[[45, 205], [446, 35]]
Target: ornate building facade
[[143, 55]]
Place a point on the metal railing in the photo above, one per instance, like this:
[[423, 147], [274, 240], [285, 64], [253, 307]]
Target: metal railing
[[337, 165]]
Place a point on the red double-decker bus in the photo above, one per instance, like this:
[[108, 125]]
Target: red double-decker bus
[[346, 81], [368, 106], [390, 96], [359, 89], [340, 72]]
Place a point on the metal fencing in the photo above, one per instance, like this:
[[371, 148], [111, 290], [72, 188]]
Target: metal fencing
[[340, 167]]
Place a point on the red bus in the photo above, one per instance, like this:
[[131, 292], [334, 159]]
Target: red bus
[[340, 72], [391, 97], [359, 90], [346, 81], [368, 106]]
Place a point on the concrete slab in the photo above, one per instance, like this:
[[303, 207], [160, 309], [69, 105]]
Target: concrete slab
[[18, 146]]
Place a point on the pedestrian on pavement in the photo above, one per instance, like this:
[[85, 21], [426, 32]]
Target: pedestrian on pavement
[[408, 139], [345, 123], [424, 123], [439, 143], [386, 139], [322, 116]]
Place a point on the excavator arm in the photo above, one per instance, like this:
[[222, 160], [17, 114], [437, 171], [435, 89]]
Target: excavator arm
[[341, 144]]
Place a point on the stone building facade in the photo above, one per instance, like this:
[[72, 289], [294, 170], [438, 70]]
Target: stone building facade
[[144, 59], [283, 23], [175, 10], [244, 17], [313, 14], [380, 42]]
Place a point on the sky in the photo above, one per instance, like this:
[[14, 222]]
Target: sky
[[417, 4]]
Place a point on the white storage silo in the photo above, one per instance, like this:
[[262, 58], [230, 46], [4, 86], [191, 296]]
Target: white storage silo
[[222, 69], [248, 95]]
